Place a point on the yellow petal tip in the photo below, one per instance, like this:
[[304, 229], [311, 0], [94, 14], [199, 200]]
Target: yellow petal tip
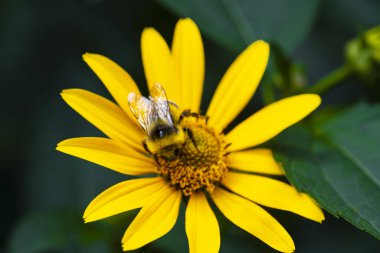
[[60, 148], [92, 57], [64, 91], [312, 100], [65, 94], [147, 34], [321, 218], [149, 30], [87, 55], [316, 98], [187, 19], [316, 213], [60, 145], [127, 247], [68, 91], [89, 217], [292, 247], [261, 43]]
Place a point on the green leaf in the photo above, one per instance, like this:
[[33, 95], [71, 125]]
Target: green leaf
[[338, 164], [236, 23]]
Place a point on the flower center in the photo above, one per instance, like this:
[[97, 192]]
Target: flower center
[[200, 163]]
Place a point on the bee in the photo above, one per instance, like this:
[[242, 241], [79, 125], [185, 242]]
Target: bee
[[160, 119]]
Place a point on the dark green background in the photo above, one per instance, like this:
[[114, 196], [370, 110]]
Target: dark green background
[[43, 193]]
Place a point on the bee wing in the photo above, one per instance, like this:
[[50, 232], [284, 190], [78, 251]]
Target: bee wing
[[144, 110], [161, 103]]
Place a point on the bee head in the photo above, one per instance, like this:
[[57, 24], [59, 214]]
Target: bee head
[[162, 131], [165, 140]]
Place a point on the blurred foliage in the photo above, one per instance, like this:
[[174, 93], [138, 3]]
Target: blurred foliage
[[52, 230], [235, 24], [44, 192], [363, 57]]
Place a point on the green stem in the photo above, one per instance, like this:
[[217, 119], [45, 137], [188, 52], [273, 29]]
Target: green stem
[[331, 80]]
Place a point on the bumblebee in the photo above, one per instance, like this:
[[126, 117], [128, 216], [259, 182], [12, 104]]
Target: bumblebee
[[160, 119]]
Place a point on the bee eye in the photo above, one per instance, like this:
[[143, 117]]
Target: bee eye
[[161, 133]]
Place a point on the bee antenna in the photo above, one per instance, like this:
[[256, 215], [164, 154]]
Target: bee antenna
[[191, 135]]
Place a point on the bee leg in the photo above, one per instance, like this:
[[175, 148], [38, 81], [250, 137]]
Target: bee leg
[[185, 113], [206, 119], [195, 115], [155, 157], [191, 135], [150, 152], [146, 148]]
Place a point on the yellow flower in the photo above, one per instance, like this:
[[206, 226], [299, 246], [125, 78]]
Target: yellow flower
[[214, 166]]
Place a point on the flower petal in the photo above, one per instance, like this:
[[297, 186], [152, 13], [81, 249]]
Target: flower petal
[[253, 219], [154, 220], [242, 79], [202, 228], [188, 63], [108, 153], [273, 193], [103, 114], [118, 82], [123, 197], [258, 160], [271, 120], [158, 63]]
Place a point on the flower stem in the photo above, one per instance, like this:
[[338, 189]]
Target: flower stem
[[331, 80]]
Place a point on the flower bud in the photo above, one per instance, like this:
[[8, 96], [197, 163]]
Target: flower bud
[[363, 54]]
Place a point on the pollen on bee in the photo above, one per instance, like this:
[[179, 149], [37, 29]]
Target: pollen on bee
[[200, 163]]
